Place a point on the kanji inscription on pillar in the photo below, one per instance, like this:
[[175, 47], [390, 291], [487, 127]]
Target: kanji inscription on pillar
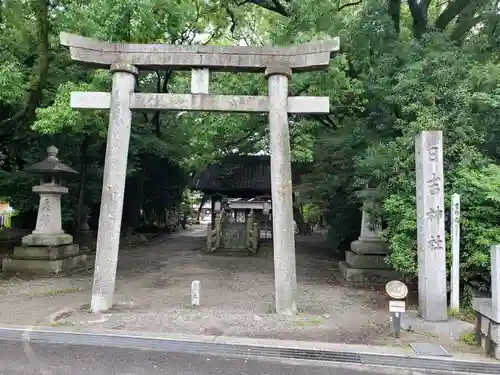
[[430, 226]]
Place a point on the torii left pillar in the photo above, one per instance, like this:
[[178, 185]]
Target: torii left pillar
[[113, 186]]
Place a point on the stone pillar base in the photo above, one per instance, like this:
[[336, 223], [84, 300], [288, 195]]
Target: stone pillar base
[[369, 246], [35, 239], [365, 263], [364, 276], [45, 260]]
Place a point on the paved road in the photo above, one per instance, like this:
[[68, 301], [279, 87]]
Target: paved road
[[48, 359]]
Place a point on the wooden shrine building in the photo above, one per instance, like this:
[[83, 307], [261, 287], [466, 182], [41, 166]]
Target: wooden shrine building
[[238, 176]]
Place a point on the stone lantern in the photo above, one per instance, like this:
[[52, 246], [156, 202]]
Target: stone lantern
[[47, 250], [48, 229], [365, 261]]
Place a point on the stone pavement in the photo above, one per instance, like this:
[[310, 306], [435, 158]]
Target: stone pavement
[[153, 294]]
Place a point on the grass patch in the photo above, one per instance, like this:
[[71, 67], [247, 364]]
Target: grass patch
[[56, 292], [469, 339], [313, 321], [466, 314], [271, 309], [62, 323], [86, 308]]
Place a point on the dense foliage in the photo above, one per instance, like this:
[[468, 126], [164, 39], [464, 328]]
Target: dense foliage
[[405, 66]]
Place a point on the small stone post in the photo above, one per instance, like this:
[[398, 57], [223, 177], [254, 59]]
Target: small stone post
[[455, 252], [281, 187], [430, 226], [195, 293], [113, 186]]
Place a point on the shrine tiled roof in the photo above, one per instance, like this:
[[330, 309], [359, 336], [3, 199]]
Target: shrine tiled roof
[[237, 176]]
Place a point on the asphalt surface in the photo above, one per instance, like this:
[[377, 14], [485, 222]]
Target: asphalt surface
[[17, 358]]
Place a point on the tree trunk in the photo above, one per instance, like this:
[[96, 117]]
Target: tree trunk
[[453, 9], [466, 20], [418, 9], [302, 226], [133, 203], [84, 147], [394, 10]]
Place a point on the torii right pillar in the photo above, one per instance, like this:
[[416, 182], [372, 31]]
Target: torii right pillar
[[285, 277]]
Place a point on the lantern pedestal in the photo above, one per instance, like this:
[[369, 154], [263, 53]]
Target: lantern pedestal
[[365, 262], [47, 250], [47, 239], [45, 260]]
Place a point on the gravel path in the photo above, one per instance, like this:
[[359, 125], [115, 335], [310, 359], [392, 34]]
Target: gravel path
[[153, 294]]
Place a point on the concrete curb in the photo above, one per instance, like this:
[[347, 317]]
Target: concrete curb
[[400, 358]]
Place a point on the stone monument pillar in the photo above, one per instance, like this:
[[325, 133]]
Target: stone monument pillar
[[365, 262], [47, 250], [432, 288]]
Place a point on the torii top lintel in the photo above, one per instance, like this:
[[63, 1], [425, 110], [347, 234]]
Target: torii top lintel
[[300, 58]]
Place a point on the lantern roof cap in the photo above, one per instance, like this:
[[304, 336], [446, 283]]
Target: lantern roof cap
[[51, 164]]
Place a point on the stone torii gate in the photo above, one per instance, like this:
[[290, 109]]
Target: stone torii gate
[[125, 61]]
